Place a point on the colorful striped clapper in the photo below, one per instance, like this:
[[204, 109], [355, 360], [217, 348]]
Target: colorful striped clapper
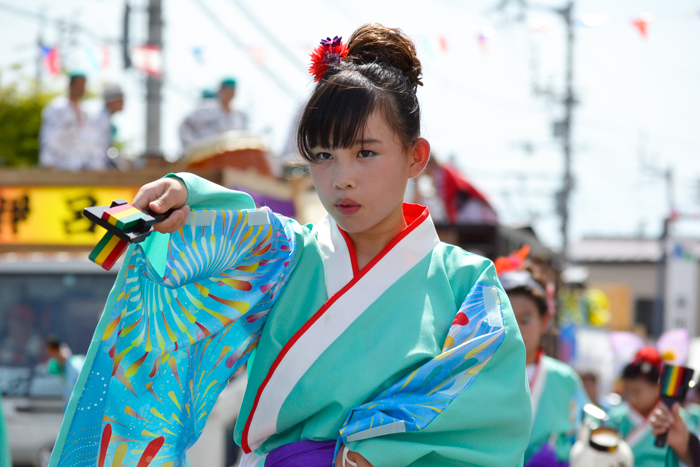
[[674, 382], [125, 224]]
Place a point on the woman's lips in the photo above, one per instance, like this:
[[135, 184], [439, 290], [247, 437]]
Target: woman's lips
[[347, 206]]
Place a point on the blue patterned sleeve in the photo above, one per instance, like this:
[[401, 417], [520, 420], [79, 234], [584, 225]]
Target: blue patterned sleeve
[[415, 401], [169, 341]]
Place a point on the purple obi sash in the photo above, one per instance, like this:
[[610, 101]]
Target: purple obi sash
[[304, 453], [545, 457]]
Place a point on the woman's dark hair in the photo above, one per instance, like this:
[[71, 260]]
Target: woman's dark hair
[[381, 72], [635, 371], [645, 366]]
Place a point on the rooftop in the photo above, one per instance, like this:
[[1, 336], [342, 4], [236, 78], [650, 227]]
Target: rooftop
[[617, 249]]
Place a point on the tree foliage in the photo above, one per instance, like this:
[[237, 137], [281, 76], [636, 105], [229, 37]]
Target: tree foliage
[[20, 122]]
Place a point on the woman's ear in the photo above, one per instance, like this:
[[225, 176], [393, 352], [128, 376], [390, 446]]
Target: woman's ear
[[420, 155], [546, 321]]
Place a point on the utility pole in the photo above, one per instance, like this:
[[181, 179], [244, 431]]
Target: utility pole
[[562, 128], [153, 83], [39, 54], [658, 317], [569, 103], [125, 42]]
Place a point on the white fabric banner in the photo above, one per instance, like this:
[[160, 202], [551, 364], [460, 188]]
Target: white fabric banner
[[680, 302]]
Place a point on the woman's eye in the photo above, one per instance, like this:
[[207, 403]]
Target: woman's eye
[[366, 153], [323, 156]]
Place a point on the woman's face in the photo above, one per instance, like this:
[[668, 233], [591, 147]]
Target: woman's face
[[362, 187], [531, 323], [641, 394]]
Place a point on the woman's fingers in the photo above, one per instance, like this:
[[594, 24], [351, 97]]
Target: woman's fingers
[[661, 420], [353, 457], [161, 196], [358, 459], [677, 411], [148, 193], [175, 221], [660, 428], [338, 462]]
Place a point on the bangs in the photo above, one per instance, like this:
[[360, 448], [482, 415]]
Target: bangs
[[337, 114]]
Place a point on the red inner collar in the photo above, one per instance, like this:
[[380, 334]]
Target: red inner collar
[[413, 214]]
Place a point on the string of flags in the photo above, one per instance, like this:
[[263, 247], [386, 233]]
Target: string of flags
[[485, 35], [148, 58], [145, 58], [97, 57], [50, 59], [256, 53], [642, 22]]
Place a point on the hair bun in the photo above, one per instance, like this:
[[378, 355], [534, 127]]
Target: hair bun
[[376, 43]]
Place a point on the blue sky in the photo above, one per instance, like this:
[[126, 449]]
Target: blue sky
[[639, 98]]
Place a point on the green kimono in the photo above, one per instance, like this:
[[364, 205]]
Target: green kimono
[[5, 460], [558, 398], [361, 357], [637, 433]]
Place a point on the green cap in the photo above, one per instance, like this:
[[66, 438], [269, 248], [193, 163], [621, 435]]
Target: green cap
[[228, 83], [73, 74], [208, 94]]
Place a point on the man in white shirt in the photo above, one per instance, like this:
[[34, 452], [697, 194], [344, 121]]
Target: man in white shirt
[[67, 138], [212, 118], [105, 130]]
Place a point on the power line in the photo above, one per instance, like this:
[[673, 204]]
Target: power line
[[216, 21], [281, 47], [58, 22], [564, 126]]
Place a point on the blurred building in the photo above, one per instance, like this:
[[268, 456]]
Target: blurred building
[[647, 289]]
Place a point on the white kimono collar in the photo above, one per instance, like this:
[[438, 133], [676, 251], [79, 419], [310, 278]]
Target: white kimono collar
[[538, 383], [338, 251], [642, 426]]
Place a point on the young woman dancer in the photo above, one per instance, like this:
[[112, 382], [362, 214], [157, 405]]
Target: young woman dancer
[[640, 391], [557, 394], [376, 344]]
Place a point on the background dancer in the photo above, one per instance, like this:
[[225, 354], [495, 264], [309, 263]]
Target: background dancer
[[640, 391], [557, 394]]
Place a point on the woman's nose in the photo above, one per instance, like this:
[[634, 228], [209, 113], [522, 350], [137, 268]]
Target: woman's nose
[[344, 177]]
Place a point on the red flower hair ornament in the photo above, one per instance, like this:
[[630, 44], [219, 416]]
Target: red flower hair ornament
[[330, 53]]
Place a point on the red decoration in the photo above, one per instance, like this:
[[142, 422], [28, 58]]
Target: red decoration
[[330, 53], [148, 58], [512, 262], [642, 24], [51, 59], [443, 43], [648, 354], [105, 56]]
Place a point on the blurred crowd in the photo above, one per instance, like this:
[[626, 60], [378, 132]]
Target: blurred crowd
[[640, 423], [73, 140]]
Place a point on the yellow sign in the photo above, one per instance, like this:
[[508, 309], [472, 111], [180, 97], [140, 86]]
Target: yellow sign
[[53, 215]]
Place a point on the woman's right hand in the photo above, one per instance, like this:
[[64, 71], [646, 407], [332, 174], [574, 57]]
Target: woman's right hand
[[162, 195], [665, 420]]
